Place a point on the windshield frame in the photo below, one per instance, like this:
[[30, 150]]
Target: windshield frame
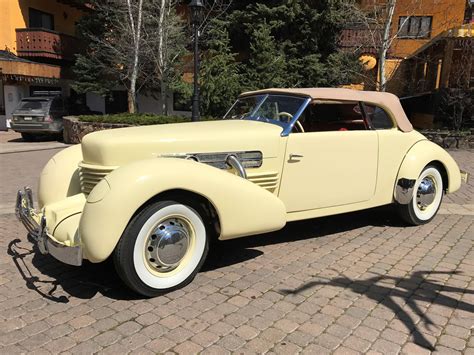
[[287, 127]]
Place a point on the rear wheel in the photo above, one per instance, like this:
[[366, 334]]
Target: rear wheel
[[162, 248], [427, 197]]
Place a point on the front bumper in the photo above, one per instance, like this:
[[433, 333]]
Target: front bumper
[[35, 224]]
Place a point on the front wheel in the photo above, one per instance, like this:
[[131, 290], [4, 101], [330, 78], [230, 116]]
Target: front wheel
[[162, 248], [426, 200]]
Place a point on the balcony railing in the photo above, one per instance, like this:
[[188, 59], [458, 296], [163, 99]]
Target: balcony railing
[[361, 39], [42, 43]]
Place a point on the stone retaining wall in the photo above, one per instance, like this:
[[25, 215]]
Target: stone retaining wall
[[451, 140], [74, 129]]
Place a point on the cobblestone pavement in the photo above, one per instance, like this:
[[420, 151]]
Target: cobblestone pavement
[[358, 282]]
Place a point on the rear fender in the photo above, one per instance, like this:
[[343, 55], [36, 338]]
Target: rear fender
[[243, 207], [418, 157]]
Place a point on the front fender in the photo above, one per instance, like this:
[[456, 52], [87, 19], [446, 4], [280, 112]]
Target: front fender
[[420, 155], [243, 207], [60, 176]]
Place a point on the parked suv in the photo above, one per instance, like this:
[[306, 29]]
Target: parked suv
[[39, 115]]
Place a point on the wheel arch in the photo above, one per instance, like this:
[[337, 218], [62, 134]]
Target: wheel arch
[[193, 199], [444, 173]]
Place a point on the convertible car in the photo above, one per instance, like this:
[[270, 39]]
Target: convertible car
[[152, 198]]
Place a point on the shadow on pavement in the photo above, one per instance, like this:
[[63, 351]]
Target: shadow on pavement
[[86, 281], [410, 289]]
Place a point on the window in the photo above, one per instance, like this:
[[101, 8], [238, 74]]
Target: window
[[333, 116], [414, 27], [40, 19], [378, 117]]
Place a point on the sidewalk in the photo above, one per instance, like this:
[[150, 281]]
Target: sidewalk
[[11, 142]]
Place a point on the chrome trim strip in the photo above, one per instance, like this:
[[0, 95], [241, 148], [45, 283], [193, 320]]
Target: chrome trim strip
[[39, 232], [297, 115], [404, 191], [248, 159], [235, 163]]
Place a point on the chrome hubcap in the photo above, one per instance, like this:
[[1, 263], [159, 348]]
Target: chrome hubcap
[[426, 193], [167, 245]]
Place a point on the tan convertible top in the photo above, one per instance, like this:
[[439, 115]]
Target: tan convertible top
[[388, 101]]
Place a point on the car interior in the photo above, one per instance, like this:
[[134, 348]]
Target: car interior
[[322, 116]]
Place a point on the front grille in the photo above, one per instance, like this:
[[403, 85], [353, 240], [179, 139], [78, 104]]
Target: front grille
[[90, 176], [267, 180]]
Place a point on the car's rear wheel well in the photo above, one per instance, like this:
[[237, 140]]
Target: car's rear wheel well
[[202, 205], [444, 174]]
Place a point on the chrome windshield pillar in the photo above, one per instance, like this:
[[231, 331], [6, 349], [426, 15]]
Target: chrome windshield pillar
[[297, 115]]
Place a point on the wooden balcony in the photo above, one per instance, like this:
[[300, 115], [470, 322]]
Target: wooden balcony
[[363, 40], [42, 43]]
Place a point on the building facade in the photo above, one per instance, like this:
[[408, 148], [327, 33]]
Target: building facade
[[37, 47], [38, 44], [415, 24]]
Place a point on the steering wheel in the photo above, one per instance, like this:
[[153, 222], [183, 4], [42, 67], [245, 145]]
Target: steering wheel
[[286, 114], [298, 127]]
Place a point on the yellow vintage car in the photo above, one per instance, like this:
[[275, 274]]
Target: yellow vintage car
[[152, 198]]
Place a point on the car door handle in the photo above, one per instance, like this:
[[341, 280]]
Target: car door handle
[[294, 156]]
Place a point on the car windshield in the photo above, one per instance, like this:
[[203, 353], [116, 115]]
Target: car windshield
[[278, 109], [33, 105]]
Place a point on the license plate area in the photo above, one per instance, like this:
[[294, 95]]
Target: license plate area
[[28, 118]]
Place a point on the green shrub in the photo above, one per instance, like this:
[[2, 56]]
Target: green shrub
[[134, 119]]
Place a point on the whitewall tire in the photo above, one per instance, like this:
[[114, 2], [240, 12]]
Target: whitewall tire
[[426, 199], [162, 248]]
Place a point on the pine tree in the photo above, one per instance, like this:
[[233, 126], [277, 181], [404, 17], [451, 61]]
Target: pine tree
[[305, 32], [220, 80], [266, 65]]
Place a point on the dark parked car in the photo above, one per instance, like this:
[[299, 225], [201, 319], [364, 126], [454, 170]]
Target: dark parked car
[[43, 115], [39, 115]]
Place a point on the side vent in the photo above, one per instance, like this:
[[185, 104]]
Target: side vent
[[267, 180], [90, 176]]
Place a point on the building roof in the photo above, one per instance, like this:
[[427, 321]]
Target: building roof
[[386, 100], [8, 56]]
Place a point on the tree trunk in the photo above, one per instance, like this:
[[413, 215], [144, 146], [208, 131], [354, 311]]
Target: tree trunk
[[161, 58], [164, 96], [132, 101], [136, 31], [385, 45]]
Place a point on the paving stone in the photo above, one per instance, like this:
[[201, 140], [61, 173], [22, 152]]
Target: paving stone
[[246, 332], [231, 342], [205, 338], [452, 342], [385, 347], [160, 345], [60, 345], [128, 328], [188, 347], [299, 338], [108, 338]]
